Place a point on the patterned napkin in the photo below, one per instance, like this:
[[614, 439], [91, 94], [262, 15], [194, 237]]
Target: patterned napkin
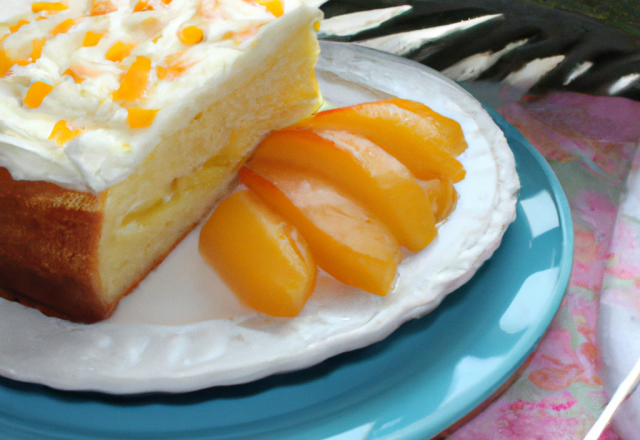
[[590, 143]]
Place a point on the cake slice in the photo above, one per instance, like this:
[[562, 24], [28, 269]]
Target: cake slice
[[122, 124]]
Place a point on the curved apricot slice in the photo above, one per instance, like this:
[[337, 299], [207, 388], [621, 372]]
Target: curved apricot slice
[[345, 240], [442, 194], [408, 137], [261, 257], [359, 167], [449, 132]]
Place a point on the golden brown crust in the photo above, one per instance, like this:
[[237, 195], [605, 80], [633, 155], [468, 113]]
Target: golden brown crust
[[48, 248]]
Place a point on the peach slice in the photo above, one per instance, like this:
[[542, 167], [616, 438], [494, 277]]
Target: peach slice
[[450, 134], [345, 240], [362, 169], [443, 196], [261, 257], [415, 141]]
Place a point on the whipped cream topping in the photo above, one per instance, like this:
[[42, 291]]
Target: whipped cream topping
[[89, 87]]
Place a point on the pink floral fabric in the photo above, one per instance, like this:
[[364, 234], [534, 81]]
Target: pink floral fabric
[[590, 143]]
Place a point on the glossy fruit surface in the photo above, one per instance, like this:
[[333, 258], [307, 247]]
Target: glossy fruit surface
[[443, 196], [345, 240], [261, 257], [414, 140], [367, 173]]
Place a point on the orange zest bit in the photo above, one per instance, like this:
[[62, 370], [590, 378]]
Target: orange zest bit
[[135, 80], [49, 7], [63, 26], [77, 78], [92, 38], [5, 63], [102, 7], [174, 67], [141, 117], [36, 50], [62, 134], [36, 94], [18, 25], [142, 5], [191, 35], [119, 51], [273, 6]]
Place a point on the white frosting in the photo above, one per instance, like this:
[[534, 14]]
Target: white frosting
[[108, 150], [183, 330]]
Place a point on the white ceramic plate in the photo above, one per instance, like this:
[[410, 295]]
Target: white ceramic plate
[[182, 330]]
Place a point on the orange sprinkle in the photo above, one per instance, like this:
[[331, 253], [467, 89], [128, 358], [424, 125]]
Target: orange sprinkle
[[77, 78], [166, 2], [61, 134], [140, 117], [156, 38], [91, 38], [42, 17], [53, 7], [273, 6], [142, 5], [119, 51], [18, 25], [23, 62], [5, 63], [36, 94], [316, 26], [191, 35], [102, 7], [135, 80], [36, 50], [63, 27], [175, 66]]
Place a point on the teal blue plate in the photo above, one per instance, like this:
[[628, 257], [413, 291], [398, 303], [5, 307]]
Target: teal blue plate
[[416, 383]]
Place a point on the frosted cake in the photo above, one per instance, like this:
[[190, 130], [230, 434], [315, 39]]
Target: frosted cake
[[122, 123]]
